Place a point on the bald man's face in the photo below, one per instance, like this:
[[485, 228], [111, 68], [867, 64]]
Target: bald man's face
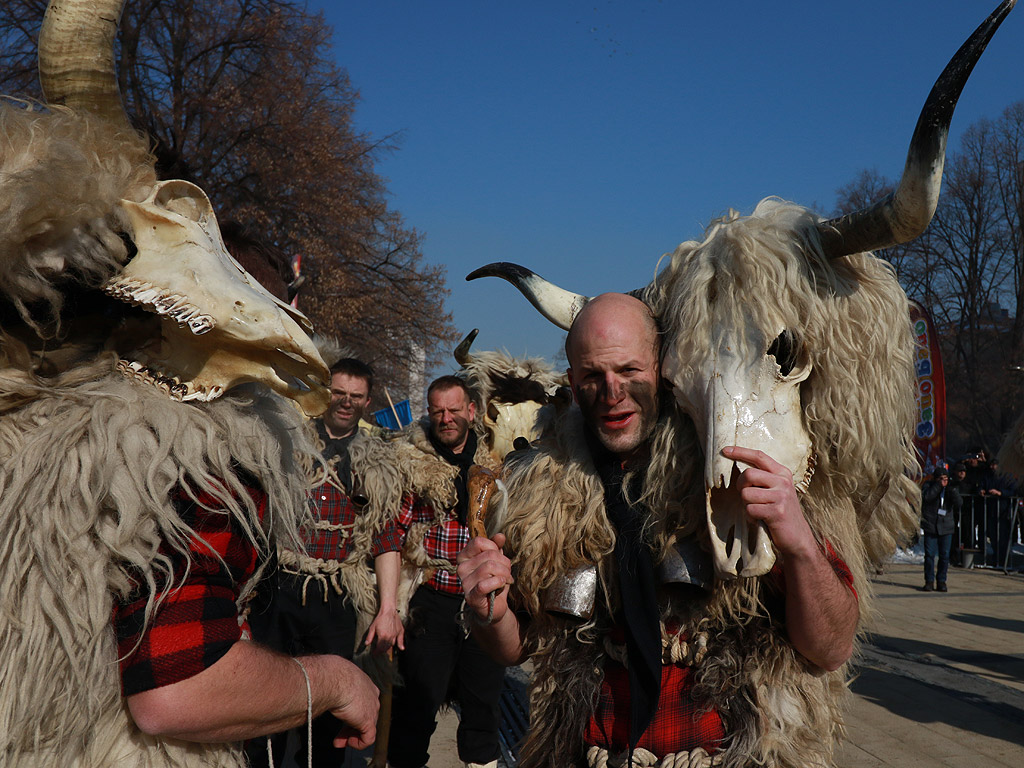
[[614, 377]]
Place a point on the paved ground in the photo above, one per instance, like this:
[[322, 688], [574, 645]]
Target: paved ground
[[941, 682]]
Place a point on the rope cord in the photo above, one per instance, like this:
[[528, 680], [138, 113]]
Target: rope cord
[[309, 715], [599, 757]]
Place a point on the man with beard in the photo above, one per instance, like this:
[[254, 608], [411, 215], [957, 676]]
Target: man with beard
[[579, 498], [431, 528], [306, 608]]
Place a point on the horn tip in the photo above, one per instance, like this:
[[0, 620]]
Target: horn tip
[[503, 269]]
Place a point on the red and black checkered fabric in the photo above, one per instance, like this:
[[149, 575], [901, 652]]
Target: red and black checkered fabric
[[679, 725], [197, 621], [333, 507], [441, 540]]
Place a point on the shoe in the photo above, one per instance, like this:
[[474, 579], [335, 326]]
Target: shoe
[[942, 587], [928, 587]]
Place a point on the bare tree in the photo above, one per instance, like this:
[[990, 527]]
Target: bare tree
[[965, 268], [241, 97], [1008, 170]]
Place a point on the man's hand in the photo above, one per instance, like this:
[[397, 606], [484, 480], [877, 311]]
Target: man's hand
[[821, 611], [386, 631], [358, 712], [484, 569], [766, 489]]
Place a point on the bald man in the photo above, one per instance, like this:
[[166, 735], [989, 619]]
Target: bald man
[[614, 370], [589, 506]]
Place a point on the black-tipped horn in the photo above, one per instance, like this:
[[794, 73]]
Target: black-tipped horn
[[556, 304], [462, 356], [76, 56], [905, 214]]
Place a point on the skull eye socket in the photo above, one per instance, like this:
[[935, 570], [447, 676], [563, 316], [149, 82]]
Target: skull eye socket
[[786, 351], [492, 412]]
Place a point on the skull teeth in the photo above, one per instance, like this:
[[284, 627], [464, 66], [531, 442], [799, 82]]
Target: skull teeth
[[172, 386], [170, 305]]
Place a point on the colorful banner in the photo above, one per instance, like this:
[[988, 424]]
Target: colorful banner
[[930, 430]]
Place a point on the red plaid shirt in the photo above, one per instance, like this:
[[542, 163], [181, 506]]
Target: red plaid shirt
[[442, 540], [197, 622], [679, 724], [335, 514]]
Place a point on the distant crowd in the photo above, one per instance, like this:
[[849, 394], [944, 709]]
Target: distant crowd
[[970, 513]]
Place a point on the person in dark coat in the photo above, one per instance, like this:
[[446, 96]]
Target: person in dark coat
[[997, 489], [940, 506]]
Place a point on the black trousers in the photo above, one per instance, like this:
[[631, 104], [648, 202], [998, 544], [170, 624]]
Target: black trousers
[[438, 661], [325, 624]]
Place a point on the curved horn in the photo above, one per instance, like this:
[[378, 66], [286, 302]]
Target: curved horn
[[76, 56], [462, 356], [556, 304], [905, 214]]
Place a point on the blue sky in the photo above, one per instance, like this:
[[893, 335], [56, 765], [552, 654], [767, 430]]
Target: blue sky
[[586, 139]]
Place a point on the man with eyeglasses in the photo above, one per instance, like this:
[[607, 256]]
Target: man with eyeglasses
[[309, 611]]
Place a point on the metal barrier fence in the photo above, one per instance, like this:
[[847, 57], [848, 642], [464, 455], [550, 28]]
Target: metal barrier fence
[[988, 528]]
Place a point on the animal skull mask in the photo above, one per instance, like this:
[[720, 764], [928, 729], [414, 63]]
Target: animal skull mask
[[512, 392], [219, 326], [751, 400], [507, 421]]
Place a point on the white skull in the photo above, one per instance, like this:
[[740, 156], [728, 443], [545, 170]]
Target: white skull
[[510, 420], [219, 326], [752, 401]]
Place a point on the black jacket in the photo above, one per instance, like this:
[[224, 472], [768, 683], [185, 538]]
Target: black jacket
[[934, 495]]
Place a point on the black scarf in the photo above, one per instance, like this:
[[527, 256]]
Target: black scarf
[[637, 588], [463, 461], [338, 447]]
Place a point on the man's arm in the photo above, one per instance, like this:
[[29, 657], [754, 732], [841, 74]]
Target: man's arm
[[821, 611], [931, 491], [387, 629], [483, 569], [252, 691]]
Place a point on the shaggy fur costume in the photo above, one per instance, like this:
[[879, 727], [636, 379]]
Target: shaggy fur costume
[[858, 407], [377, 478], [520, 385], [87, 464], [61, 176], [88, 459], [430, 477]]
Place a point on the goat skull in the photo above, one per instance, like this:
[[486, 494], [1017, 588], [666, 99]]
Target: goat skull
[[737, 397], [184, 274]]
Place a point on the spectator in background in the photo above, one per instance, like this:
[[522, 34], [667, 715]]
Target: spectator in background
[[968, 534], [972, 461], [958, 481], [997, 489], [940, 506]]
